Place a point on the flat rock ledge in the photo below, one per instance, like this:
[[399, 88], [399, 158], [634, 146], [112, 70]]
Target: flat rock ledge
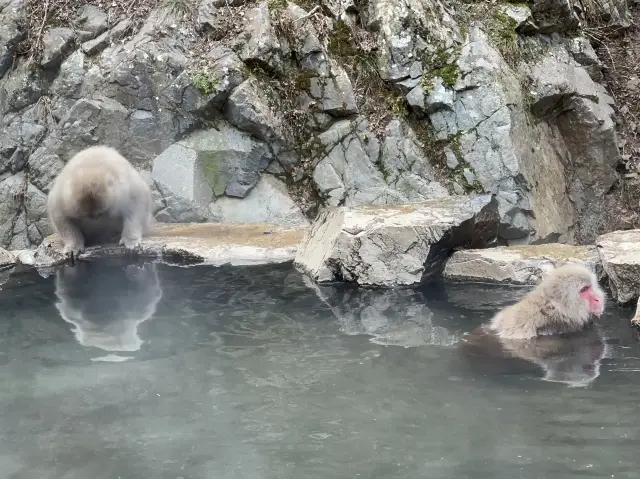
[[189, 243], [520, 265], [393, 245], [620, 256]]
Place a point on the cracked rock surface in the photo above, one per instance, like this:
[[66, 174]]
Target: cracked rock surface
[[525, 264], [620, 255], [394, 245], [271, 111]]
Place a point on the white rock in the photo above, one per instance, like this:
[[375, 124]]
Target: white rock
[[516, 264], [620, 255], [268, 201], [394, 244]]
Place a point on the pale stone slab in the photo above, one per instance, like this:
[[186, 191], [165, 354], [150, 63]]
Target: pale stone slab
[[619, 252], [191, 243], [517, 264], [390, 245]]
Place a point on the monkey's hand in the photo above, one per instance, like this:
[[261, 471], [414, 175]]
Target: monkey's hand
[[72, 250], [131, 244], [635, 321]]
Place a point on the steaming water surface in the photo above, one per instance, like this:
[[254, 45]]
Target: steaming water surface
[[113, 371]]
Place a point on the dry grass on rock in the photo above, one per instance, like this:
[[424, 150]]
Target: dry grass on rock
[[42, 14], [620, 54]]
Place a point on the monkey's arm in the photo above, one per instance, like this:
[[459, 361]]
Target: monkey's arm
[[69, 233], [136, 219]]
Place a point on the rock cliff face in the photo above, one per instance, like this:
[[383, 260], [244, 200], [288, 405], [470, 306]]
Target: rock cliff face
[[263, 111]]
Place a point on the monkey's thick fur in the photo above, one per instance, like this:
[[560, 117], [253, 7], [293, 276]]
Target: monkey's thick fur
[[97, 197], [553, 307]]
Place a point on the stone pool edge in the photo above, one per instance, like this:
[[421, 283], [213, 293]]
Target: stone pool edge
[[214, 244], [615, 256]]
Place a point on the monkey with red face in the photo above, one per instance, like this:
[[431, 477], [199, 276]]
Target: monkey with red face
[[565, 301]]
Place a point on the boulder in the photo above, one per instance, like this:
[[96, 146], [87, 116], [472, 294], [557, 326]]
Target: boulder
[[555, 15], [180, 178], [231, 160], [57, 43], [524, 264], [395, 244], [91, 21], [91, 47], [259, 42], [268, 202], [330, 86], [248, 109], [409, 31], [11, 33], [620, 255], [357, 168]]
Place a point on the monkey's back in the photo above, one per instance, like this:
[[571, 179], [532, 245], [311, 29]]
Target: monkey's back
[[90, 170], [100, 159]]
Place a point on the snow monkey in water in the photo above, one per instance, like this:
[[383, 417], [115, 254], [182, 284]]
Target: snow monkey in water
[[563, 302], [97, 197]]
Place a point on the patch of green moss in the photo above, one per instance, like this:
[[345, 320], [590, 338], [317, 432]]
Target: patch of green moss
[[454, 145], [502, 33], [457, 174], [449, 75], [179, 7], [442, 64], [383, 170], [276, 6], [341, 41], [302, 79], [206, 82], [212, 164], [397, 104]]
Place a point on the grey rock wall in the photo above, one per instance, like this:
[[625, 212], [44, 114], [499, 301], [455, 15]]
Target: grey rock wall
[[267, 111]]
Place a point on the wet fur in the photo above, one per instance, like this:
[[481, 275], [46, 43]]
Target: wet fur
[[553, 307], [97, 198]]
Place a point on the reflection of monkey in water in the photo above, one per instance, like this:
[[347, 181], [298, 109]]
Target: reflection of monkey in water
[[106, 301], [97, 197], [571, 358], [563, 302], [548, 328]]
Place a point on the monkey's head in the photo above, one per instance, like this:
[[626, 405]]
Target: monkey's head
[[574, 290], [94, 195]]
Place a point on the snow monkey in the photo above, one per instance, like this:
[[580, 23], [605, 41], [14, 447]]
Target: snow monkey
[[563, 302], [95, 198]]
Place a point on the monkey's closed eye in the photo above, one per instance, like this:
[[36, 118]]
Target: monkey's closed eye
[[585, 289]]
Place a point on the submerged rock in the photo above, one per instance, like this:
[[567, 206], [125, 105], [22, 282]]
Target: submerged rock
[[517, 264], [394, 244], [203, 243], [620, 255]]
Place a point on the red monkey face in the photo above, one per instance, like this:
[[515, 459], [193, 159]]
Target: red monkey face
[[593, 299]]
